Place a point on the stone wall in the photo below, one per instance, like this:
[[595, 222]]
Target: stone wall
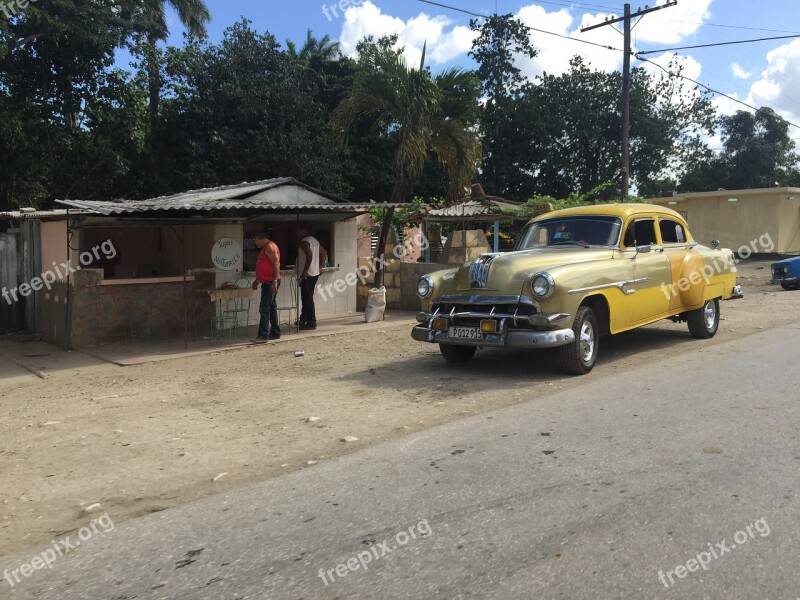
[[464, 245], [113, 313], [400, 278]]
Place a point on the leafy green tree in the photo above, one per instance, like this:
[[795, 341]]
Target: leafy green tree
[[501, 40], [423, 114], [243, 110], [568, 138], [757, 152], [193, 14], [53, 73]]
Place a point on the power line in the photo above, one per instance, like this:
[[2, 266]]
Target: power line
[[455, 8], [626, 19], [528, 27], [781, 37], [726, 26], [710, 89], [638, 54], [484, 16]]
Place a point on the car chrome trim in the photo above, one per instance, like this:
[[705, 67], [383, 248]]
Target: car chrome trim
[[476, 299], [518, 320], [519, 338], [550, 282], [429, 281], [621, 285], [479, 271]]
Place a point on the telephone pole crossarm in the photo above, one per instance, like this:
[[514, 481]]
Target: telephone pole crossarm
[[638, 13]]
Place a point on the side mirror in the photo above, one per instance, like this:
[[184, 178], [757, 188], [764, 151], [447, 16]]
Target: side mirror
[[715, 244], [644, 249]]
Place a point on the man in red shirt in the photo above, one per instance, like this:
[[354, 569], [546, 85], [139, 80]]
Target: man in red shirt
[[268, 274]]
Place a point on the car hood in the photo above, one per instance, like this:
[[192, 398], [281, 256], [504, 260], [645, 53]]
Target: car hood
[[519, 265], [787, 261]]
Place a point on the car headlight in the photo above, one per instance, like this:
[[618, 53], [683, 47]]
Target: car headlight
[[542, 285], [424, 287]]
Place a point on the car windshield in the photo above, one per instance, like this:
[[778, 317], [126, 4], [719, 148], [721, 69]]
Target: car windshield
[[586, 231]]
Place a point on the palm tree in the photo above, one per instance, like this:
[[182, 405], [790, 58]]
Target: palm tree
[[193, 14], [323, 48], [425, 113]]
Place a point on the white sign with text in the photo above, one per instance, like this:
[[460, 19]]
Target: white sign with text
[[226, 254]]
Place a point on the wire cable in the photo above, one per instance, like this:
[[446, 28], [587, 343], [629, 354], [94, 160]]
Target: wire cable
[[528, 27], [781, 37], [710, 89]]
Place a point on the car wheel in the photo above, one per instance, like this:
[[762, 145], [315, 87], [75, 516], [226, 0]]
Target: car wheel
[[457, 354], [578, 357], [704, 322], [790, 286]]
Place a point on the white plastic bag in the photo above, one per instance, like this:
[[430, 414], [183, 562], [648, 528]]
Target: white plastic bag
[[376, 305]]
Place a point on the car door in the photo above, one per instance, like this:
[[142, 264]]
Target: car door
[[683, 260], [650, 272]]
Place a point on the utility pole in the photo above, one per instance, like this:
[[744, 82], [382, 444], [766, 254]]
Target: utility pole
[[626, 82]]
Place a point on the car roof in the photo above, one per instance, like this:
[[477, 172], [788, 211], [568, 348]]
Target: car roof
[[622, 210]]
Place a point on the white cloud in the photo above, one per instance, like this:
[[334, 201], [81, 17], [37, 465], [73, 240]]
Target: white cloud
[[779, 82], [444, 42], [690, 67], [554, 53], [739, 73], [674, 24]]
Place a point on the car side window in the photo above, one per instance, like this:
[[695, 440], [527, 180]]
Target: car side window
[[641, 232], [672, 232]]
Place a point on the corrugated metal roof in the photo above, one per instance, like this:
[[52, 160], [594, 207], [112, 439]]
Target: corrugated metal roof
[[25, 215], [475, 210], [282, 194]]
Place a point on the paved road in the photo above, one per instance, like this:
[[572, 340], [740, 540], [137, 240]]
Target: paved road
[[619, 488]]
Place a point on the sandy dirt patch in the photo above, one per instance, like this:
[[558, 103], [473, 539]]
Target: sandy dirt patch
[[145, 438]]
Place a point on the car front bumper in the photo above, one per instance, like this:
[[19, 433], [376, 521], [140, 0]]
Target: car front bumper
[[789, 280], [508, 334], [515, 338]]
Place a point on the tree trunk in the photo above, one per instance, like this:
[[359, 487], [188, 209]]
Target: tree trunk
[[154, 88]]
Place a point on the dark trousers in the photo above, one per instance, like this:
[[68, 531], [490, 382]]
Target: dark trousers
[[269, 311], [308, 313]]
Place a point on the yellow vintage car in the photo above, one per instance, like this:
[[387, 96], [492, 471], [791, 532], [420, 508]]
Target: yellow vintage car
[[576, 275]]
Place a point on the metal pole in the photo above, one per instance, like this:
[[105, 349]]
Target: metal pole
[[185, 297], [626, 104], [626, 80], [497, 236]]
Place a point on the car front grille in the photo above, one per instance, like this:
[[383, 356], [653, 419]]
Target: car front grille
[[479, 271], [472, 314]]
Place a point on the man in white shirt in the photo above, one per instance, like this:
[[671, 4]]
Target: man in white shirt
[[311, 257]]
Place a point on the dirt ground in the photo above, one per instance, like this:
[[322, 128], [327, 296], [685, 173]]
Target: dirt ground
[[144, 438]]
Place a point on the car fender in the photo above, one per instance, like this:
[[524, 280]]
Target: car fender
[[689, 280]]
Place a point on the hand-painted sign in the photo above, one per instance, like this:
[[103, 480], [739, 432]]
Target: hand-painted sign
[[226, 254]]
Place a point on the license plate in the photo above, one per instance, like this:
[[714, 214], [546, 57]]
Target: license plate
[[465, 333]]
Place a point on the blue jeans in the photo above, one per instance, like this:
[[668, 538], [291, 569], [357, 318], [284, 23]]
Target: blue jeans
[[269, 311]]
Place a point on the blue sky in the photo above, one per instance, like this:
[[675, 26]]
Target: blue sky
[[763, 73]]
